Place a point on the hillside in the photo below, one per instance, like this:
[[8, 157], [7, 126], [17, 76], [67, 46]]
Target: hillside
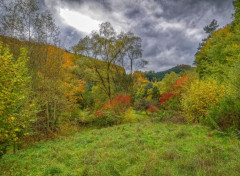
[[158, 76], [131, 149]]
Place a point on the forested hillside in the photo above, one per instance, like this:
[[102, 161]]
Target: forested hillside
[[158, 76], [182, 121]]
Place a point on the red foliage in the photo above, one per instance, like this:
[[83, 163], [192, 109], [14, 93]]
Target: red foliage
[[117, 105], [99, 113], [181, 81], [165, 97], [152, 109], [177, 88]]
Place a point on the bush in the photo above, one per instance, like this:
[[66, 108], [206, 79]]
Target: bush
[[143, 104], [119, 104], [199, 97], [113, 111], [106, 118], [152, 109], [129, 116], [224, 115], [82, 117]]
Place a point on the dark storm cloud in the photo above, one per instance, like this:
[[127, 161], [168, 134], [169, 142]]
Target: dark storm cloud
[[170, 29]]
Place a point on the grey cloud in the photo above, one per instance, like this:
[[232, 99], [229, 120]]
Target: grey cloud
[[170, 29]]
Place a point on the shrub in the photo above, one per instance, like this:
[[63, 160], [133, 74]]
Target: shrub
[[119, 104], [224, 115], [152, 109], [106, 118], [199, 97], [129, 116], [82, 117], [113, 111], [143, 104]]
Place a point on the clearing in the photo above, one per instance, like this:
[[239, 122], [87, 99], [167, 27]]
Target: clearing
[[145, 148]]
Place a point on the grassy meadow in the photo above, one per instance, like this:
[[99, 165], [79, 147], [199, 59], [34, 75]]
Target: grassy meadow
[[146, 148]]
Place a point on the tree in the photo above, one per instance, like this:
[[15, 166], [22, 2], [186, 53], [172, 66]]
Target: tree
[[23, 19], [15, 101], [111, 48], [133, 50], [212, 27], [30, 12], [12, 21], [209, 29]]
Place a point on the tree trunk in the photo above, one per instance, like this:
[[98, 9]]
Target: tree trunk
[[54, 112], [109, 83], [47, 113]]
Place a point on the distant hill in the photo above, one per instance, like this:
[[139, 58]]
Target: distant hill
[[151, 75]]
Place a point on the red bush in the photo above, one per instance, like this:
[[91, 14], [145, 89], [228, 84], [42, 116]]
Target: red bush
[[152, 109], [117, 105]]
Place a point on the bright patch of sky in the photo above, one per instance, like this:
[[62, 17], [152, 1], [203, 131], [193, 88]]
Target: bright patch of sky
[[79, 21]]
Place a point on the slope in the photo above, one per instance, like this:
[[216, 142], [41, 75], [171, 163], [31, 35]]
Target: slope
[[131, 149]]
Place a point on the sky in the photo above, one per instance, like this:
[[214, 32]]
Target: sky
[[171, 30]]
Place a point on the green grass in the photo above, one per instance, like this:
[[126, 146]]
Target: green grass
[[131, 149]]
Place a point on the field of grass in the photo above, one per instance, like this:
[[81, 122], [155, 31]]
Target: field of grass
[[131, 149]]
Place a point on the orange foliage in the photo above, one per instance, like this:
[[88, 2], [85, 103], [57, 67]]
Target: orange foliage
[[181, 81], [67, 59], [78, 90], [152, 109]]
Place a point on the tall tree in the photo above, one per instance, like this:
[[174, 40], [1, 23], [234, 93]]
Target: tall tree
[[23, 19], [209, 29], [115, 50], [15, 101]]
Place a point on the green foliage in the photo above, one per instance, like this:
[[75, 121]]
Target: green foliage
[[225, 115], [155, 93], [15, 106], [166, 84], [82, 117], [218, 54], [218, 59], [107, 118]]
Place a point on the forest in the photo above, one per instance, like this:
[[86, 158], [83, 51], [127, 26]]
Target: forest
[[90, 110]]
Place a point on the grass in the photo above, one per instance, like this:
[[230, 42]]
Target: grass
[[131, 149]]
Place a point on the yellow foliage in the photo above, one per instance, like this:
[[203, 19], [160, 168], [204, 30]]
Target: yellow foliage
[[129, 116], [199, 97]]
